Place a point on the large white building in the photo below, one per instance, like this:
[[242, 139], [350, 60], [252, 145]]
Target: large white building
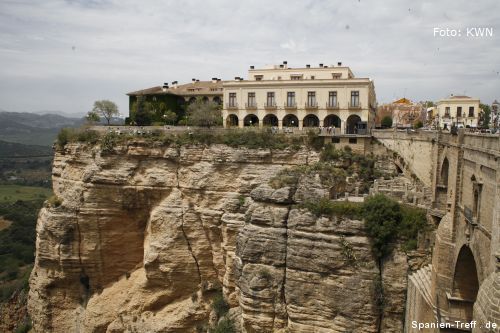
[[281, 96], [461, 111]]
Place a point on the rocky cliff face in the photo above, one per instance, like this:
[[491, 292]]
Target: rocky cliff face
[[146, 236]]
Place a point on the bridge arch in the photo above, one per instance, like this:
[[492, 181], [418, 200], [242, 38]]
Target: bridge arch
[[465, 284]]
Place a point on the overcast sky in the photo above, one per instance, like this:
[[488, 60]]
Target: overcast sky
[[64, 55]]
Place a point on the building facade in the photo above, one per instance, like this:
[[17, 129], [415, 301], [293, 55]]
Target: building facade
[[328, 96], [461, 111], [176, 96], [404, 113]]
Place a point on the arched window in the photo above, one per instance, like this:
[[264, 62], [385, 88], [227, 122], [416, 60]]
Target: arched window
[[444, 172]]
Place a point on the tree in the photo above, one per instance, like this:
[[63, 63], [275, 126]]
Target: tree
[[140, 112], [386, 122], [204, 113], [382, 221], [92, 117], [170, 117], [419, 124], [106, 109], [484, 115]]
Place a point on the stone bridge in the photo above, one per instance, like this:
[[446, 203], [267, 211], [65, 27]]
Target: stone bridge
[[463, 282]]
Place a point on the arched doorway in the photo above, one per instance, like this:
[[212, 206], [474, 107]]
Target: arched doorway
[[310, 121], [290, 120], [192, 100], [332, 120], [251, 120], [205, 99], [232, 120], [352, 124], [217, 100], [270, 120], [465, 285]]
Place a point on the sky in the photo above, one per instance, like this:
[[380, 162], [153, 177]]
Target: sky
[[58, 55]]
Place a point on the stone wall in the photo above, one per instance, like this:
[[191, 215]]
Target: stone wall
[[463, 172]]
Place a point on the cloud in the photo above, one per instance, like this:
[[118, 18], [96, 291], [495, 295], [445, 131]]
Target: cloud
[[63, 55]]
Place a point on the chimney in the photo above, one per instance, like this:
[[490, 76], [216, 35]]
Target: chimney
[[308, 66], [174, 84], [252, 67], [281, 66], [214, 80], [339, 64], [285, 62], [218, 80], [193, 80], [165, 87], [197, 80], [320, 65]]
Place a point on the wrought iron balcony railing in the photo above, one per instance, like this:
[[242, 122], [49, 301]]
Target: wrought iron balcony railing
[[332, 106], [311, 105], [354, 105]]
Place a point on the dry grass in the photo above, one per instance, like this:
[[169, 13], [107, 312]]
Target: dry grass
[[4, 224]]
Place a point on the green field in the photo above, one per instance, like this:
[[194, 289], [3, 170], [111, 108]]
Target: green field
[[13, 193]]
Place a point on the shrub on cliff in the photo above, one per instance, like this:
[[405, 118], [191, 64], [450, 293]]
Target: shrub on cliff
[[108, 142], [382, 221], [225, 325], [219, 305], [326, 207], [63, 137]]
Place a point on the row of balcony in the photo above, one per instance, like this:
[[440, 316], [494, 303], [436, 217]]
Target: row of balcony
[[273, 106], [447, 116]]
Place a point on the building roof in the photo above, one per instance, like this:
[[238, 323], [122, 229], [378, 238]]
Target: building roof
[[459, 97], [403, 100], [194, 88]]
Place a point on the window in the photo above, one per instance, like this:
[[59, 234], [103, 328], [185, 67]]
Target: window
[[353, 141], [311, 98], [355, 98], [332, 99], [251, 99], [295, 76], [312, 77], [270, 99], [336, 75], [232, 99], [459, 111], [471, 111], [447, 112], [290, 99], [258, 77], [335, 140]]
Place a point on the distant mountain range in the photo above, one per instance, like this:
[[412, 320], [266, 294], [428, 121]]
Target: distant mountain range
[[33, 129], [36, 129], [13, 150]]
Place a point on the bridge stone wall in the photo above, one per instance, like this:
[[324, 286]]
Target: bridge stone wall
[[463, 172]]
